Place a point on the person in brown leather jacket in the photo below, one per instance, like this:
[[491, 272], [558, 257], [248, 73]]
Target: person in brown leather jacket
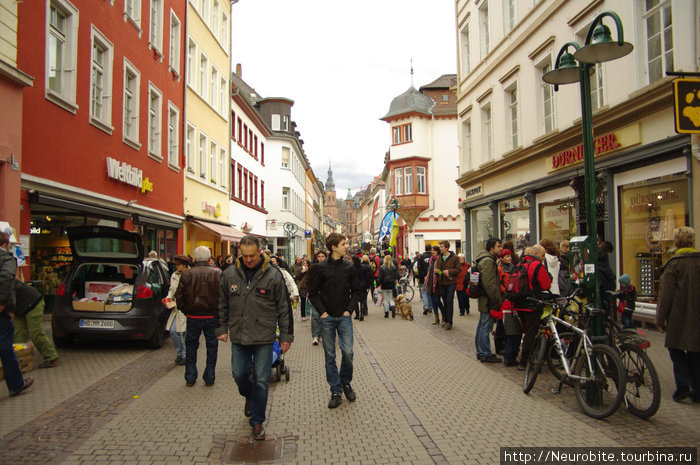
[[447, 267], [196, 298]]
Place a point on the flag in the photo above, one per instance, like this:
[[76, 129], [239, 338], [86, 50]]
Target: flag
[[385, 228], [394, 231]]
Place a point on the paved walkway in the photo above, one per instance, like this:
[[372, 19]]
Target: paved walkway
[[422, 399]]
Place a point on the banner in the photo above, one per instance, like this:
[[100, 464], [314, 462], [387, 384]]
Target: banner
[[387, 223], [394, 232], [374, 212]]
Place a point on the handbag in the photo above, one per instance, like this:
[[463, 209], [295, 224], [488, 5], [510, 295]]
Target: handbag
[[378, 297]]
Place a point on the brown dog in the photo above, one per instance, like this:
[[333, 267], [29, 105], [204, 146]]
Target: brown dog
[[404, 307]]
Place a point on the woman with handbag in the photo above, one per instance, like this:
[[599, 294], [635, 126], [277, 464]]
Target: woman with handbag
[[388, 275]]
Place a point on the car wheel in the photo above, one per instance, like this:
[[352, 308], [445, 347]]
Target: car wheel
[[156, 340], [63, 342]]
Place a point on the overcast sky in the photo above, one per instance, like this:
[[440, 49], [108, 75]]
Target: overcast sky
[[342, 63]]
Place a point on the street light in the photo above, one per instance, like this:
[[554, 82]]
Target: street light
[[598, 47]]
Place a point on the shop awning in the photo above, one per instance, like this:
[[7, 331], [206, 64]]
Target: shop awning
[[227, 233]]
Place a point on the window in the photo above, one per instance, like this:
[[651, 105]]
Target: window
[[512, 95], [214, 95], [285, 157], [203, 68], [275, 122], [402, 134], [174, 43], [224, 30], [202, 156], [262, 194], [189, 149], [191, 62], [509, 15], [397, 134], [155, 35], [659, 28], [484, 29], [408, 180], [262, 154], [397, 181], [132, 10], [547, 99], [285, 123], [61, 53], [240, 182], [154, 120], [173, 135], [101, 81], [223, 95], [486, 132], [420, 179], [213, 151], [233, 179], [132, 84], [215, 16], [596, 79], [466, 54], [222, 167], [466, 144], [204, 11], [285, 198], [407, 137]]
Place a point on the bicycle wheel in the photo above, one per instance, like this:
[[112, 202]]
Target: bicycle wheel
[[534, 363], [408, 292], [643, 390], [601, 396], [569, 341]]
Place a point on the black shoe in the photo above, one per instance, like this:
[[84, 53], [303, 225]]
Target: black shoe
[[179, 359], [521, 367], [448, 326], [393, 312], [27, 383], [362, 318], [258, 432], [425, 312], [511, 363], [349, 393], [681, 393], [493, 358], [335, 401], [356, 318], [246, 409], [386, 315]]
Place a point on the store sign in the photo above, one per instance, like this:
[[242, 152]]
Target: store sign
[[603, 144], [473, 192], [123, 172], [212, 209], [686, 94]]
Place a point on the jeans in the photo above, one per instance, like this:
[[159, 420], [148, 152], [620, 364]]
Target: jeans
[[8, 357], [178, 340], [626, 319], [32, 323], [261, 356], [483, 331], [425, 297], [342, 325], [686, 369], [447, 293], [387, 300], [195, 327], [315, 323], [435, 303], [463, 302]]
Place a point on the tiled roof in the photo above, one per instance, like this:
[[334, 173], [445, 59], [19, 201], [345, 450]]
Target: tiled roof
[[443, 82]]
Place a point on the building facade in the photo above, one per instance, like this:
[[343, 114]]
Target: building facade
[[527, 184]]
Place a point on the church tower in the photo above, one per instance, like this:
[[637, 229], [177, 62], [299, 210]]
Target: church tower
[[330, 204]]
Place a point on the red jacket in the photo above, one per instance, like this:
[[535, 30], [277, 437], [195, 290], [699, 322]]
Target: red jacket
[[464, 269], [542, 279]]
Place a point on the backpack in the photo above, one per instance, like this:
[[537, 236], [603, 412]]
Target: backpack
[[474, 287], [566, 287], [372, 266], [518, 287]]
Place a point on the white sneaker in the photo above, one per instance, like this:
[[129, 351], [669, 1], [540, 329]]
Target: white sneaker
[[315, 341]]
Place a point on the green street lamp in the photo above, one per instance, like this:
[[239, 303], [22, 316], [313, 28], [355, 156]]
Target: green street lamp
[[577, 67]]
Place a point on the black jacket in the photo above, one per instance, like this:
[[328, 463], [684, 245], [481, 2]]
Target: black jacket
[[388, 277], [423, 265], [27, 298], [364, 274], [334, 287], [8, 270]]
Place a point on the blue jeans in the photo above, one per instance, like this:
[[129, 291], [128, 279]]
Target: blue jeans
[[178, 340], [315, 322], [195, 327], [387, 300], [10, 364], [256, 391], [447, 293], [463, 302], [342, 325], [435, 303], [686, 369], [483, 330], [425, 297]]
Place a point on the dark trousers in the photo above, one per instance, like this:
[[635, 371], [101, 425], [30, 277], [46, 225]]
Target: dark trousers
[[13, 374], [302, 303], [447, 294], [361, 309], [686, 370], [511, 352], [531, 325], [195, 327], [463, 302]]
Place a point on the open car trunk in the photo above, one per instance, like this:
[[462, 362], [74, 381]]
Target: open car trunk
[[100, 287]]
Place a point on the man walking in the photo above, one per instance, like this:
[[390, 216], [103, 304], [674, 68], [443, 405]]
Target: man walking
[[334, 290], [196, 298], [447, 267], [374, 263], [252, 302], [8, 269], [490, 299]]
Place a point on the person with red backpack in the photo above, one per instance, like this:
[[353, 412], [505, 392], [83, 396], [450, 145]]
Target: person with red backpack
[[538, 280]]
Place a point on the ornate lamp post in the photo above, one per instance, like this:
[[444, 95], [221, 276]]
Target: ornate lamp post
[[599, 47]]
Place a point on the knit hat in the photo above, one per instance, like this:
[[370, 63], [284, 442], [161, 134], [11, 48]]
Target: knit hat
[[181, 259], [625, 279], [505, 252]]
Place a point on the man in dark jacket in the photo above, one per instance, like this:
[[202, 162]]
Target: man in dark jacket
[[489, 300], [423, 265], [8, 269], [334, 290], [447, 267], [196, 298], [539, 280], [252, 302]]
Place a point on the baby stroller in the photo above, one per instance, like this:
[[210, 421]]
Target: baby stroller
[[278, 366]]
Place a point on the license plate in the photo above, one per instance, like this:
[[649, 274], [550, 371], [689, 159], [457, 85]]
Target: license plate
[[109, 324]]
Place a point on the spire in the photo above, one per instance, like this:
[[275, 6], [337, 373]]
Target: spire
[[412, 73], [349, 196], [330, 185]]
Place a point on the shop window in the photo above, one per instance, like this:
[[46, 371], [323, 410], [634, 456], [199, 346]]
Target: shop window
[[557, 220], [482, 228], [515, 222], [650, 212]]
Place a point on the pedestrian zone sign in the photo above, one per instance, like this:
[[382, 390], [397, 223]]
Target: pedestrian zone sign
[[687, 105]]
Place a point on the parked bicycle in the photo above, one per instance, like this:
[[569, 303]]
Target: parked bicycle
[[598, 375], [405, 288]]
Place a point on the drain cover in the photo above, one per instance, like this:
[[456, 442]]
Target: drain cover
[[245, 450]]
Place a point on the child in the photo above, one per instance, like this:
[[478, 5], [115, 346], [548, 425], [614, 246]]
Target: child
[[627, 296]]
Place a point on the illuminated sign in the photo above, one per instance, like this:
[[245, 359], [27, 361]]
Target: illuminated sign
[[123, 172]]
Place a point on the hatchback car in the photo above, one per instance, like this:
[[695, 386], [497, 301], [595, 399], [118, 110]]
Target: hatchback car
[[110, 291]]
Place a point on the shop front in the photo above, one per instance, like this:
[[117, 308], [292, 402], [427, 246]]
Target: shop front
[[220, 238]]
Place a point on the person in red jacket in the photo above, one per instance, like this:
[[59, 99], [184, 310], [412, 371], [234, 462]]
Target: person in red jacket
[[462, 297], [539, 280]]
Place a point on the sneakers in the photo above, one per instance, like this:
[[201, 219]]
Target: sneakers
[[27, 383], [315, 341], [493, 358], [335, 401], [258, 432], [349, 393], [681, 393], [246, 409], [49, 363]]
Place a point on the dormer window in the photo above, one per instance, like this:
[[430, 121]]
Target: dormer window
[[402, 134]]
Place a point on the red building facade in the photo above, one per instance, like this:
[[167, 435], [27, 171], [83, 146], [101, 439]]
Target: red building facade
[[102, 125]]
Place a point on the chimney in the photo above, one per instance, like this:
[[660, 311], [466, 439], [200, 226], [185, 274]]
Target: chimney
[[239, 70]]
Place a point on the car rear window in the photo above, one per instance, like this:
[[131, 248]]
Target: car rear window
[[105, 247]]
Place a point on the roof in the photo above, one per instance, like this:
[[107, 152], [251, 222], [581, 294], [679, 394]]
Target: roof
[[443, 82], [411, 101]]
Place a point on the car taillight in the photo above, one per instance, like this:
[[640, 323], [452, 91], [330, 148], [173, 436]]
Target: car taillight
[[144, 292], [644, 345], [61, 289]]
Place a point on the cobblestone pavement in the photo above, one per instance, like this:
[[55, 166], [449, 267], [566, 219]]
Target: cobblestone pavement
[[423, 398]]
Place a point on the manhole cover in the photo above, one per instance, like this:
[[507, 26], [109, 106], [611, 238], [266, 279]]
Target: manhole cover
[[246, 450]]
